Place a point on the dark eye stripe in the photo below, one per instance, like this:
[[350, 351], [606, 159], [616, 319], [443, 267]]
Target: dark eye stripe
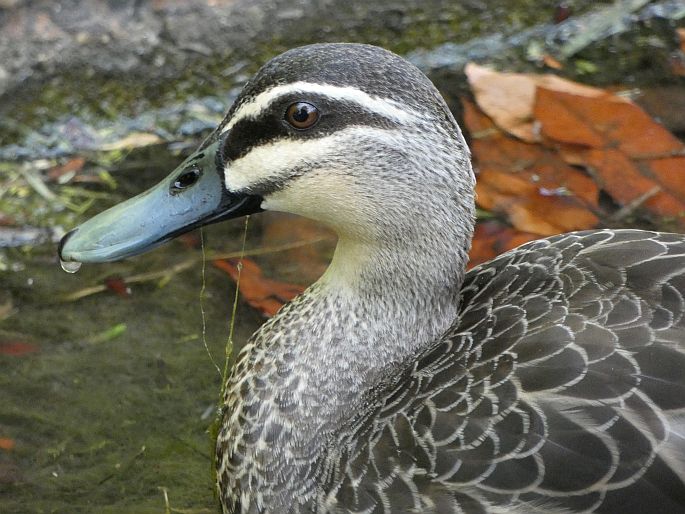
[[271, 126]]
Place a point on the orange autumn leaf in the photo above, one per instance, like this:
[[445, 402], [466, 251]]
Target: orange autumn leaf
[[302, 264], [624, 181], [551, 62], [7, 444], [17, 348], [492, 238], [630, 154], [71, 166], [118, 286], [261, 293], [531, 184], [190, 239], [530, 208], [607, 121], [495, 150], [508, 98]]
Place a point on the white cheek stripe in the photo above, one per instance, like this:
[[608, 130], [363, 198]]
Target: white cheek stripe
[[274, 161], [387, 108]]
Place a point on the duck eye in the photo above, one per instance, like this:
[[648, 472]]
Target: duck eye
[[185, 179], [302, 115]]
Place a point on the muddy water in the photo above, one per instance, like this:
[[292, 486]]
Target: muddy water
[[109, 400]]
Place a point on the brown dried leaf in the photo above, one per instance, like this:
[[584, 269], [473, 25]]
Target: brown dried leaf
[[132, 141], [261, 293], [17, 348], [607, 121], [71, 167], [529, 207], [539, 192], [508, 98], [492, 238], [628, 152], [551, 62], [303, 264], [7, 444], [625, 182]]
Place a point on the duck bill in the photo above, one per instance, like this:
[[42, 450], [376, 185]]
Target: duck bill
[[191, 196]]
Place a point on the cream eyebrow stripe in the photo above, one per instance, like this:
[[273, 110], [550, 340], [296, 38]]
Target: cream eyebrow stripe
[[273, 160], [388, 108]]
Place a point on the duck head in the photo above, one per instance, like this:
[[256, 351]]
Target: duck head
[[349, 135]]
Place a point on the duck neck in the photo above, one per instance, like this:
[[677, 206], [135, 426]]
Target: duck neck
[[406, 294], [306, 371]]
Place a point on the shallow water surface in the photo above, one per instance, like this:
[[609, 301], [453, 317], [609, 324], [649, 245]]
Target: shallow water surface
[[116, 399], [106, 401]]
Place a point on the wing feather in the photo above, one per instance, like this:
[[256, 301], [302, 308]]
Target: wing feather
[[561, 388]]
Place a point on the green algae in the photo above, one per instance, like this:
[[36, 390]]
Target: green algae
[[111, 407]]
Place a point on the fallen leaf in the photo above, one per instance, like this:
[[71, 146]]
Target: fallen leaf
[[303, 264], [629, 153], [551, 62], [508, 98], [17, 348], [599, 122], [492, 238], [190, 239], [530, 208], [132, 141], [531, 184], [66, 171], [7, 221], [677, 63], [119, 286], [261, 293], [624, 182], [7, 444]]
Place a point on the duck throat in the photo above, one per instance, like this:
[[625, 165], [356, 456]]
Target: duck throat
[[306, 371]]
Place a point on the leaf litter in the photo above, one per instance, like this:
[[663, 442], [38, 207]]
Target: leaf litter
[[547, 150], [261, 293]]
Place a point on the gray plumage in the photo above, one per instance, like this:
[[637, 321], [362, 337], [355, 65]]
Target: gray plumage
[[551, 379]]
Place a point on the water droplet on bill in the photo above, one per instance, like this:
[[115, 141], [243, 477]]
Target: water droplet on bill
[[70, 266]]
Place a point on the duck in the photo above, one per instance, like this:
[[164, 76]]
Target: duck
[[550, 379]]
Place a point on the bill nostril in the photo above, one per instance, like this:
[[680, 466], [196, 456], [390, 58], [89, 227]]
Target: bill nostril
[[63, 241], [185, 179]]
